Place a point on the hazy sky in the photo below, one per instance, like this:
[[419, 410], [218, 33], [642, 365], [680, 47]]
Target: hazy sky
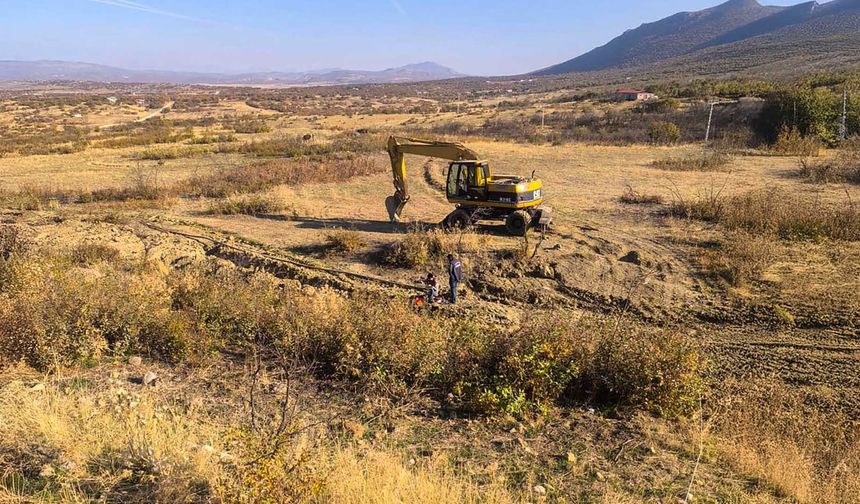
[[478, 37]]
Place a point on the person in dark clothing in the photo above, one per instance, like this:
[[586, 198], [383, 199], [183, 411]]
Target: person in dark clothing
[[455, 276], [432, 287]]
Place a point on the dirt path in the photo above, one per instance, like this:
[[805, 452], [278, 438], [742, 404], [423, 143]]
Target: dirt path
[[163, 110]]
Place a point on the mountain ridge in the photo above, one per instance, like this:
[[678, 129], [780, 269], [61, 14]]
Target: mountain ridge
[[59, 70], [734, 27]]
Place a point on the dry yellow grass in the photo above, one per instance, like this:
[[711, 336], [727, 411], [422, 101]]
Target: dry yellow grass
[[809, 453], [74, 442], [381, 478]]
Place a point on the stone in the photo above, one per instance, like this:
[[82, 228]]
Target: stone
[[540, 490], [149, 378], [135, 361], [47, 471], [39, 387], [632, 257]]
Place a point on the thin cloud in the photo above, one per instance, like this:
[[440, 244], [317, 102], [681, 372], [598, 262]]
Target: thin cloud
[[128, 4], [398, 7]]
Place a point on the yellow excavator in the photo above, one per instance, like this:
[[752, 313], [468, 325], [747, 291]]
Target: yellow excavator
[[471, 185]]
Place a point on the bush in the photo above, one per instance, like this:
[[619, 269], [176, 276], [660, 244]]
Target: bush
[[420, 246], [633, 197], [704, 162], [254, 204], [345, 240], [845, 167], [797, 441], [554, 358], [228, 181], [791, 217], [213, 139], [162, 154], [742, 257], [664, 133], [661, 106], [708, 206], [14, 240], [773, 212], [53, 314], [790, 142], [91, 253]]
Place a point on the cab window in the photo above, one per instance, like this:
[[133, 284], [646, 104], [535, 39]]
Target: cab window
[[463, 180], [453, 178]]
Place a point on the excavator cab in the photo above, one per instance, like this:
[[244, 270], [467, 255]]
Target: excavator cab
[[467, 180]]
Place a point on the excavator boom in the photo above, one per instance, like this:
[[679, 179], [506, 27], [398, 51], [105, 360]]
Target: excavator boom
[[398, 147]]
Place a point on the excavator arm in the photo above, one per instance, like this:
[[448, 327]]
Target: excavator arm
[[398, 147]]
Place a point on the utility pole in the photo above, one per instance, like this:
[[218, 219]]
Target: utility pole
[[710, 117], [843, 125], [458, 103]]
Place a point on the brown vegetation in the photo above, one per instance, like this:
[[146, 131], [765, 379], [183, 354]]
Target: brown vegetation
[[345, 240], [704, 162], [633, 197], [800, 444], [843, 168], [773, 212], [247, 204]]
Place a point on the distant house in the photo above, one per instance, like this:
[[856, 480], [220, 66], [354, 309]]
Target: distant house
[[633, 95], [112, 100]]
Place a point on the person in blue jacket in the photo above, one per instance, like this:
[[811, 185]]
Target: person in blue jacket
[[455, 276]]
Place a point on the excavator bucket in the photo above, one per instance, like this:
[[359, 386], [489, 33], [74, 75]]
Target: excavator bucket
[[394, 205]]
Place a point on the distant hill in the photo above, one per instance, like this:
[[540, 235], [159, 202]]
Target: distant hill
[[736, 36], [74, 71]]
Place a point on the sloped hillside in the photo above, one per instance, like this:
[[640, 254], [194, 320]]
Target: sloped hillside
[[732, 37]]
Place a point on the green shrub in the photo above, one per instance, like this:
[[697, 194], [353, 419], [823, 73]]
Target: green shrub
[[52, 313], [559, 359], [664, 133]]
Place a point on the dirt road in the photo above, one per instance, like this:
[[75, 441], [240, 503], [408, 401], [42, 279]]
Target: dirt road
[[163, 110]]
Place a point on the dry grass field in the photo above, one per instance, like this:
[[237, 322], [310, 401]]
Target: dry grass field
[[682, 333]]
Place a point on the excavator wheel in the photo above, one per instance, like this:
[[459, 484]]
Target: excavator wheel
[[458, 219], [517, 223]]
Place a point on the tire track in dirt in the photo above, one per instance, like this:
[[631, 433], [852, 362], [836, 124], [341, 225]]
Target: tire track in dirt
[[282, 265]]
